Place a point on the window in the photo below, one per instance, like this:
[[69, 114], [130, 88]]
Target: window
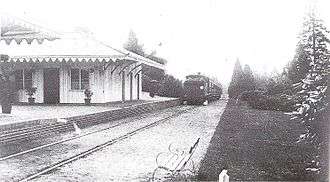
[[27, 79], [79, 79], [84, 79], [75, 79], [19, 79], [23, 79]]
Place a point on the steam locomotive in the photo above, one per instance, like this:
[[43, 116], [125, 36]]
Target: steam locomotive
[[199, 89]]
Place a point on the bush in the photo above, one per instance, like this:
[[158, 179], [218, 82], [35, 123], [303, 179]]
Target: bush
[[88, 93], [31, 91], [260, 100], [251, 95], [171, 87]]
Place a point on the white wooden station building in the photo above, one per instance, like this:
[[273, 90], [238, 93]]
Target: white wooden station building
[[62, 66]]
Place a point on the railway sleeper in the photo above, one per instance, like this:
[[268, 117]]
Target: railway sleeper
[[17, 135], [24, 130], [37, 130], [42, 130], [33, 135]]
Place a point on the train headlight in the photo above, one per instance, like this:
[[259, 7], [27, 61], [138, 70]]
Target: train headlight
[[201, 87]]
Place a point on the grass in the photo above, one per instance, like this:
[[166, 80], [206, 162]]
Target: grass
[[258, 145]]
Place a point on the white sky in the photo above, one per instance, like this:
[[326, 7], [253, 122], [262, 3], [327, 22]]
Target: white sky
[[197, 35]]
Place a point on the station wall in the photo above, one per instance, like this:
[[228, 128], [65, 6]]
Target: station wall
[[106, 87]]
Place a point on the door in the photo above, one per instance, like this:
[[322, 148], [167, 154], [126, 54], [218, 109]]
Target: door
[[51, 86]]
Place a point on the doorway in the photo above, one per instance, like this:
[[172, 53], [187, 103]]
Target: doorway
[[51, 86]]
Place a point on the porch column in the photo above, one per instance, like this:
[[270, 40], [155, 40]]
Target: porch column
[[123, 86]]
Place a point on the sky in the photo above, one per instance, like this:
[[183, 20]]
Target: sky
[[205, 36]]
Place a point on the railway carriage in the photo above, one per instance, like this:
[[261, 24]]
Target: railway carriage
[[199, 89]]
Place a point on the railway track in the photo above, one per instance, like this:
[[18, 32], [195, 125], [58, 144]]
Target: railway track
[[33, 132], [101, 146], [58, 142]]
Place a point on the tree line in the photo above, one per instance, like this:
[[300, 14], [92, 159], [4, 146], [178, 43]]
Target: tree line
[[300, 89], [154, 80]]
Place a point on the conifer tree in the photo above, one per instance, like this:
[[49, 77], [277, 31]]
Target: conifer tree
[[299, 66], [313, 87], [235, 86], [133, 45], [6, 84], [248, 83]]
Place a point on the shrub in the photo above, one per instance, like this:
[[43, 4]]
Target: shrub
[[260, 100], [88, 93], [170, 87], [251, 95], [30, 91]]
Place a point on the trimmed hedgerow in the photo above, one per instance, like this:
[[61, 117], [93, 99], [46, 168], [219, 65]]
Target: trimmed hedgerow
[[260, 100]]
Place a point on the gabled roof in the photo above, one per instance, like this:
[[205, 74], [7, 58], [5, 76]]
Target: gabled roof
[[142, 59], [72, 46], [16, 29], [25, 42]]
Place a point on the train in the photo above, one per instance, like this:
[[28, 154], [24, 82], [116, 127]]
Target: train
[[200, 89]]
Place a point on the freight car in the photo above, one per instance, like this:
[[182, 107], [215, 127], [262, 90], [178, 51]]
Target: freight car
[[199, 89]]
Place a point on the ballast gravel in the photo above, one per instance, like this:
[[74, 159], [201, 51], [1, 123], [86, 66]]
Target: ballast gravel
[[133, 159]]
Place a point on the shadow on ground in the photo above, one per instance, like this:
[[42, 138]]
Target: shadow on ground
[[257, 145]]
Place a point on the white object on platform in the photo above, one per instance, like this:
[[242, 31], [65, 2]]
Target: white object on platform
[[223, 176], [76, 129], [206, 102]]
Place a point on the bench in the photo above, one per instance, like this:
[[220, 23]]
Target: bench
[[175, 160]]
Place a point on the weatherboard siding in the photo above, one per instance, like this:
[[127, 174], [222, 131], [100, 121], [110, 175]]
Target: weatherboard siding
[[106, 87], [37, 81]]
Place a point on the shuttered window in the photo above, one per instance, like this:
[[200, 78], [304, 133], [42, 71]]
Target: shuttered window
[[84, 77], [19, 79], [23, 79], [79, 79], [27, 79], [75, 79]]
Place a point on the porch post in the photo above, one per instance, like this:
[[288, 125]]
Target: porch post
[[138, 86], [131, 86], [123, 87]]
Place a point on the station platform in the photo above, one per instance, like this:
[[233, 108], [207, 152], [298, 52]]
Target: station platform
[[24, 115]]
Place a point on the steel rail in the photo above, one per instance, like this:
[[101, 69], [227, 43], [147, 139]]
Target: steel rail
[[61, 141], [101, 146], [22, 134]]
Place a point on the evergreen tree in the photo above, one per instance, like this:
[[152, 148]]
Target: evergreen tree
[[7, 85], [235, 86], [248, 83], [261, 80], [151, 77], [279, 84], [171, 87], [299, 66], [313, 87], [133, 44]]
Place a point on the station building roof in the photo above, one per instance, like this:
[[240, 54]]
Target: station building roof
[[26, 42]]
